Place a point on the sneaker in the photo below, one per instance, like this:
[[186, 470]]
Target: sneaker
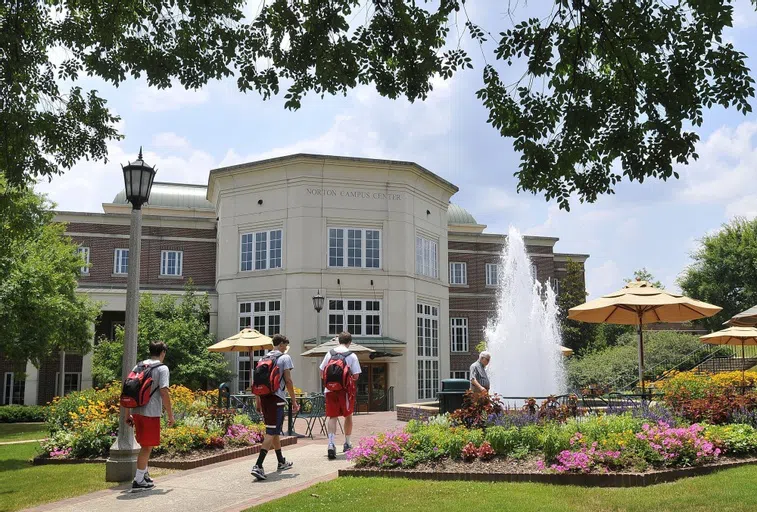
[[148, 479], [283, 466], [141, 486], [347, 447], [332, 452], [258, 472]]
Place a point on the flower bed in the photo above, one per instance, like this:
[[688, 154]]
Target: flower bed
[[640, 441], [84, 424]]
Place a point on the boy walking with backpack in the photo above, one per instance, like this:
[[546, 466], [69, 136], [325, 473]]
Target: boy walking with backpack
[[145, 393], [272, 375], [341, 370]]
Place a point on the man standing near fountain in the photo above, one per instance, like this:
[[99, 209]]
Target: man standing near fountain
[[479, 380]]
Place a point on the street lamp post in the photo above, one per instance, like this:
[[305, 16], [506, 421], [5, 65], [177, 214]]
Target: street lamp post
[[138, 179]]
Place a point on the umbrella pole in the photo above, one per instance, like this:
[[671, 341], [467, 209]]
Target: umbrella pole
[[743, 362], [641, 359]]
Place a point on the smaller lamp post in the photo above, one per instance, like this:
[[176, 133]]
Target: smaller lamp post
[[138, 179], [318, 306]]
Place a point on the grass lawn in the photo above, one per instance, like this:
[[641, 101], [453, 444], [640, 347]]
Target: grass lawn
[[725, 491], [21, 431], [23, 485]]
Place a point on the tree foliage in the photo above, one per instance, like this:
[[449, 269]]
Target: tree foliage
[[724, 271], [611, 88], [645, 275], [40, 311], [180, 322], [575, 335]]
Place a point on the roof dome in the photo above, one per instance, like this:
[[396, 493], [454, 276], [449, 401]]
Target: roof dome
[[459, 215], [173, 195]]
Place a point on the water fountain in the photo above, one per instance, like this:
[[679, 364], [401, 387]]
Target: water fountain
[[524, 337]]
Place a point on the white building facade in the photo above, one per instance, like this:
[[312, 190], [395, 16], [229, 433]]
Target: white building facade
[[369, 236]]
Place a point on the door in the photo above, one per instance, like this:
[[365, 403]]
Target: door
[[377, 391]]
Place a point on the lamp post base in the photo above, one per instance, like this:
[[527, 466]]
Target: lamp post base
[[122, 462]]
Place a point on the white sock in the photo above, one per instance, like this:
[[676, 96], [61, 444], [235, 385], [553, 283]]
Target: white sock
[[331, 438], [140, 476], [347, 439]]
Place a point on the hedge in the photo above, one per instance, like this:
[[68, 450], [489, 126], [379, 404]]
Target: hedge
[[22, 413]]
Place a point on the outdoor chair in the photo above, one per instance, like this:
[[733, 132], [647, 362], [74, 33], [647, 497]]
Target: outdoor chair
[[313, 411]]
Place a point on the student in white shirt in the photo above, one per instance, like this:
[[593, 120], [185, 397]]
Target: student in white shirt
[[341, 403]]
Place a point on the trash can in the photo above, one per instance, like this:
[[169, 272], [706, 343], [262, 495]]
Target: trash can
[[451, 395]]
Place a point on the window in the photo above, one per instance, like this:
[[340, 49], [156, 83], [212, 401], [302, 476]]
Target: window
[[428, 350], [261, 250], [71, 382], [458, 374], [458, 273], [170, 263], [265, 317], [121, 261], [459, 334], [114, 327], [362, 248], [359, 317], [493, 270], [83, 252], [534, 273], [555, 285], [426, 257], [13, 390]]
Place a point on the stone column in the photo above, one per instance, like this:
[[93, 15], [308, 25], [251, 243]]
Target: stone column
[[31, 387], [122, 463], [86, 363]]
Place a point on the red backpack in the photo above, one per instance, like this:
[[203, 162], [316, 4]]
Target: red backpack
[[266, 379], [337, 374], [137, 389]]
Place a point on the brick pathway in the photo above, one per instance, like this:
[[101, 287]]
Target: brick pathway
[[228, 486]]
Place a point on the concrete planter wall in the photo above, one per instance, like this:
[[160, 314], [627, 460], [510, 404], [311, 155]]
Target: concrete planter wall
[[584, 480], [177, 464]]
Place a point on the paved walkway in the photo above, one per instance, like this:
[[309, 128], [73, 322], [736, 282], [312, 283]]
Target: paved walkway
[[228, 486], [21, 442]]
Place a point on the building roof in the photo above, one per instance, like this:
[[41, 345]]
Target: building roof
[[458, 215], [181, 195], [333, 158], [174, 195]]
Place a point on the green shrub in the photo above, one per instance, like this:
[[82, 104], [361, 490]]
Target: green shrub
[[503, 440], [94, 440], [734, 439], [22, 413], [554, 439], [618, 365]]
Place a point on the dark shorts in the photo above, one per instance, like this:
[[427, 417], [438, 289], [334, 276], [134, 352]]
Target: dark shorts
[[273, 413], [147, 430]]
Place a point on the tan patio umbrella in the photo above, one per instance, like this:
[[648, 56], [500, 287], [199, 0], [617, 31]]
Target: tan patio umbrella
[[640, 303], [733, 336], [566, 351], [746, 318], [321, 349], [246, 340]]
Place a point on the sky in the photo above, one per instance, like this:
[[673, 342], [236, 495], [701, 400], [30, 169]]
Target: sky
[[655, 225]]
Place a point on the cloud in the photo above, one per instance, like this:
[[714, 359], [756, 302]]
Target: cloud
[[727, 167], [603, 279], [170, 140], [150, 99]]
